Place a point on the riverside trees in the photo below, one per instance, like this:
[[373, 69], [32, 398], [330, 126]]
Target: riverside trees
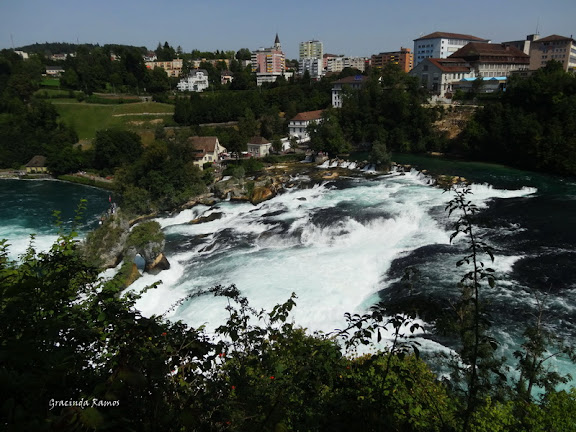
[[532, 126]]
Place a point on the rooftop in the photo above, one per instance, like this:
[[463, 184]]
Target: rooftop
[[308, 115], [553, 38], [204, 144], [450, 64], [502, 51], [258, 140], [445, 35]]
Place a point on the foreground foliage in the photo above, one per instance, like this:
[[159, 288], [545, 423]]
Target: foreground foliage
[[76, 355]]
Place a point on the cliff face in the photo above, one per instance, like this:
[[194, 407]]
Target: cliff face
[[454, 120]]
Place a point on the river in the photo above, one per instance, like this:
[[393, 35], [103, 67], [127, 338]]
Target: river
[[344, 244]]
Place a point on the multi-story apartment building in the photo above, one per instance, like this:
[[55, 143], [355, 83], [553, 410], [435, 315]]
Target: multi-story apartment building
[[313, 66], [173, 68], [441, 45], [311, 58], [403, 58], [269, 63], [554, 47], [338, 63], [311, 49]]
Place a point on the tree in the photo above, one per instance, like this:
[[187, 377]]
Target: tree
[[380, 156], [327, 136], [243, 54], [114, 148]]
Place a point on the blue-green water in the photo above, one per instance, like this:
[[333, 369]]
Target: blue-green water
[[27, 207], [344, 244]]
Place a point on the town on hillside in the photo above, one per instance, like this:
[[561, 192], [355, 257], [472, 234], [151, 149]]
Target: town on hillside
[[205, 90]]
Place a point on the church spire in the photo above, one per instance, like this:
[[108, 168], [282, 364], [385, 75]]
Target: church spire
[[277, 42]]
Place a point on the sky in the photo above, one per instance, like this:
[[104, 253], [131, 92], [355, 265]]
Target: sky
[[352, 28]]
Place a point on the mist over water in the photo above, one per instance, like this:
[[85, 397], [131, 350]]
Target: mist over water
[[344, 245]]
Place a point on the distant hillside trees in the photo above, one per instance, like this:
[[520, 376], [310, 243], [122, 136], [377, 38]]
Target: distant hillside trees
[[28, 126]]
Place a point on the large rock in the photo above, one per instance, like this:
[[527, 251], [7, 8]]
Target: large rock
[[204, 219], [157, 265], [261, 194]]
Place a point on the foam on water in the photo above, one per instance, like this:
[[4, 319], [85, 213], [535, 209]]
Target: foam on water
[[316, 242]]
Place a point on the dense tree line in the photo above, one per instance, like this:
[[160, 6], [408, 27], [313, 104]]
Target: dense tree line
[[229, 106], [29, 126], [387, 109], [532, 126], [77, 355]]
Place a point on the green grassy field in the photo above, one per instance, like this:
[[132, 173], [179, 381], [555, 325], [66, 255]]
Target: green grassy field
[[87, 119]]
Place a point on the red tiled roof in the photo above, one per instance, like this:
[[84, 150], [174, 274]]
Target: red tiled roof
[[446, 35], [478, 49], [308, 115], [204, 144], [450, 64], [553, 38], [258, 140]]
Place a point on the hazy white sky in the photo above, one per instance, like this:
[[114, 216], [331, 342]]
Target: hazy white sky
[[356, 28]]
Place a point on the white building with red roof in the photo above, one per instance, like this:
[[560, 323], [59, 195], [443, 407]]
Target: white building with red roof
[[298, 124]]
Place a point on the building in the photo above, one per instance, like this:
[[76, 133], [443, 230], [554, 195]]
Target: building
[[403, 58], [339, 63], [196, 81], [259, 146], [441, 45], [351, 82], [440, 76], [54, 71], [37, 165], [492, 60], [523, 45], [226, 77], [297, 127], [269, 63], [475, 60], [207, 149], [173, 68], [311, 58], [313, 66], [554, 47], [311, 49]]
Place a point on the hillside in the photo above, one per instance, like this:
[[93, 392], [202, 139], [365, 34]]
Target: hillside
[[88, 118]]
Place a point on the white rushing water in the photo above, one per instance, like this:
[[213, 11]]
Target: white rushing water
[[332, 246]]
